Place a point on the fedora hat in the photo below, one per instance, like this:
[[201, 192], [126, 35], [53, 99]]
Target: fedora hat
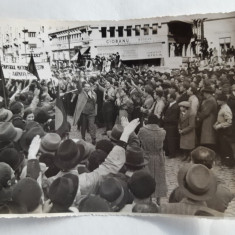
[[9, 133], [197, 182], [12, 157], [185, 104], [111, 190], [28, 136], [88, 147], [115, 133], [68, 155], [50, 143], [94, 203], [208, 89], [141, 184], [135, 157], [63, 190], [5, 115]]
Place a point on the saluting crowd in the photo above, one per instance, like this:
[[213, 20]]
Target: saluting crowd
[[147, 117]]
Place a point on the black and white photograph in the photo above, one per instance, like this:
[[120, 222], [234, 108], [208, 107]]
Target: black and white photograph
[[129, 116]]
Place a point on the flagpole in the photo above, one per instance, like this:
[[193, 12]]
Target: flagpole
[[3, 86]]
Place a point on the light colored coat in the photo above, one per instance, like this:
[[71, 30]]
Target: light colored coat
[[187, 126], [208, 116], [81, 102], [151, 137]]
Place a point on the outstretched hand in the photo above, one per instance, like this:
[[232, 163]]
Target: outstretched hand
[[34, 147], [131, 126], [124, 121]]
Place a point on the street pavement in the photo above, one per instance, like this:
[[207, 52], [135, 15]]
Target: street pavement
[[172, 166]]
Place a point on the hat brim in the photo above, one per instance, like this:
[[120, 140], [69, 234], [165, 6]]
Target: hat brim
[[182, 184], [23, 143], [9, 115], [19, 134], [67, 165], [42, 150], [137, 165]]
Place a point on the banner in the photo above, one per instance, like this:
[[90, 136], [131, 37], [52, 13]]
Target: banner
[[19, 71], [133, 52]]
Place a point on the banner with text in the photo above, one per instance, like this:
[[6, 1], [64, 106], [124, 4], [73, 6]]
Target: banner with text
[[19, 71]]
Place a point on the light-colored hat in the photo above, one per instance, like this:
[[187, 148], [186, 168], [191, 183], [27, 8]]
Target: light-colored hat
[[197, 182], [185, 104], [5, 115]]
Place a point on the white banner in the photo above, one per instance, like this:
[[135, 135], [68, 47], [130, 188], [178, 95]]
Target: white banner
[[133, 52], [18, 71]]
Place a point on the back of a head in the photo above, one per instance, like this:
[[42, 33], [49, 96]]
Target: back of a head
[[5, 174], [27, 194], [145, 208], [63, 190], [204, 156], [111, 190], [94, 203], [12, 157], [96, 158], [16, 107], [153, 119], [142, 185], [105, 145]]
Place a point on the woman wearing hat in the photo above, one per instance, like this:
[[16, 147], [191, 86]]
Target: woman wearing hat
[[151, 137], [186, 129]]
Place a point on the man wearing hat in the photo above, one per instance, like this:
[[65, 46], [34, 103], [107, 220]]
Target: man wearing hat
[[5, 114], [198, 184], [207, 118], [112, 164], [116, 132], [222, 196], [10, 135], [223, 129], [186, 129]]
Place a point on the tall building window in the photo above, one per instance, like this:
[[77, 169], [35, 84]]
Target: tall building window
[[154, 29], [112, 32], [31, 34], [103, 32], [32, 46], [146, 29], [128, 31], [137, 30], [225, 43], [120, 31]]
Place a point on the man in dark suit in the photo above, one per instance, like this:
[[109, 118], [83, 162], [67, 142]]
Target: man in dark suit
[[171, 118]]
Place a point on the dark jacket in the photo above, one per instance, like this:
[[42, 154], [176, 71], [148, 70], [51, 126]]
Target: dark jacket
[[171, 115]]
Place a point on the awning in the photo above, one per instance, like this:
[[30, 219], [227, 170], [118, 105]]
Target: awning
[[75, 57], [82, 51]]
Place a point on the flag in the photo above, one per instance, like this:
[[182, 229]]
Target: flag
[[3, 91], [61, 124], [32, 67]]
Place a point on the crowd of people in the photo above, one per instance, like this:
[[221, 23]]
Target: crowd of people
[[147, 115]]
